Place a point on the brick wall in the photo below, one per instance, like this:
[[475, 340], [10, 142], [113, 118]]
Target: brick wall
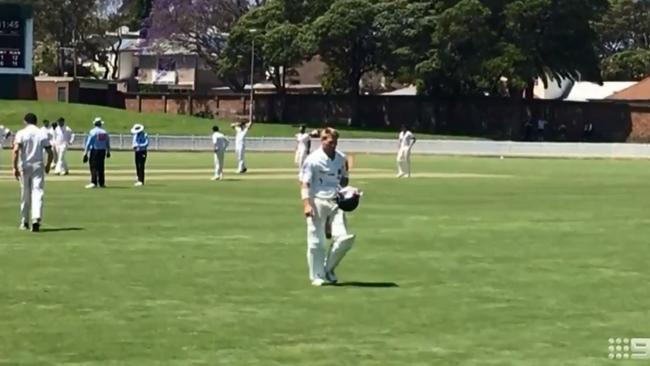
[[500, 119]]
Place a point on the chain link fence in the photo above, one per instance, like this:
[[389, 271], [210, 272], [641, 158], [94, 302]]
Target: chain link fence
[[383, 146]]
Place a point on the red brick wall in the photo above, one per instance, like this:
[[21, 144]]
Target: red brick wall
[[494, 118], [48, 91], [152, 105], [221, 106], [640, 119], [132, 104]]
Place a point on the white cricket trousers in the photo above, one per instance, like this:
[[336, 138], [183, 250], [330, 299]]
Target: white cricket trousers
[[317, 259], [61, 162], [32, 184], [300, 156], [241, 163], [218, 163], [404, 161]]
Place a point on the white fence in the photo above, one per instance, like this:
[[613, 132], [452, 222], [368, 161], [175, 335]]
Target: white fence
[[431, 147]]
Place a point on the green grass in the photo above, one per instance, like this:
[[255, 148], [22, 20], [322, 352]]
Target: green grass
[[537, 267], [79, 117]]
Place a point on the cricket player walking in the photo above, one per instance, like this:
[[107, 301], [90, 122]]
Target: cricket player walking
[[320, 178], [98, 148], [30, 169], [241, 130], [49, 131], [406, 142], [302, 149], [63, 137], [220, 143]]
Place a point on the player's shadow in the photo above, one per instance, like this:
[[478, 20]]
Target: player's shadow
[[60, 229], [367, 284]]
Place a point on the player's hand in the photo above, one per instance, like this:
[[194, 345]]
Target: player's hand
[[85, 158], [16, 174], [308, 210], [47, 169], [108, 155]]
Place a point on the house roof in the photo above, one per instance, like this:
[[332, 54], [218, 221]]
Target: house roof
[[409, 90], [638, 91], [583, 91]]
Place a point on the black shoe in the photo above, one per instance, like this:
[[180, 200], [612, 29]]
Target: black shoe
[[36, 227]]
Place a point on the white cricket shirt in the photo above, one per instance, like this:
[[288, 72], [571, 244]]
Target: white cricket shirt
[[49, 131], [32, 141], [406, 139], [323, 174], [303, 140], [219, 141], [63, 136], [240, 137]]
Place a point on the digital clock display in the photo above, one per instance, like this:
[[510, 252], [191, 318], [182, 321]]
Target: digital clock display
[[12, 40]]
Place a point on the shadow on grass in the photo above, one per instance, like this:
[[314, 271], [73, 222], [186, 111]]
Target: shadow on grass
[[59, 229], [367, 284]]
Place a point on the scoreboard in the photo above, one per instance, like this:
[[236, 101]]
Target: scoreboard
[[16, 39]]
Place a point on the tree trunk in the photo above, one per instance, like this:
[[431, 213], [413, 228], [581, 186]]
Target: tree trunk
[[355, 119]]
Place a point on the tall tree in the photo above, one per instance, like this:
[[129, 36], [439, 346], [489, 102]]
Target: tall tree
[[625, 40], [200, 25], [347, 40]]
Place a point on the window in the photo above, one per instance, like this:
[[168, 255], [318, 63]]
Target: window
[[61, 94]]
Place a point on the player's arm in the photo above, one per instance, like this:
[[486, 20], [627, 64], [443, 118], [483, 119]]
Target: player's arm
[[414, 140], [15, 154], [345, 177], [89, 142], [306, 174], [50, 158]]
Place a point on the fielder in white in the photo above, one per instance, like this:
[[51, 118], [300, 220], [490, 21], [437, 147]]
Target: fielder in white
[[49, 131], [29, 144], [321, 176], [406, 142], [220, 143], [303, 140], [63, 137], [5, 133], [241, 130]]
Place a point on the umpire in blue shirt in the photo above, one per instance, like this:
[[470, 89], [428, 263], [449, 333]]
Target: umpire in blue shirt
[[140, 145], [98, 148]]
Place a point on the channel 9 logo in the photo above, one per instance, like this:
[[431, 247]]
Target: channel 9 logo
[[629, 348]]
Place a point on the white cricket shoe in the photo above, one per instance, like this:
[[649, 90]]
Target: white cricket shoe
[[318, 282], [90, 186], [138, 184], [331, 277]]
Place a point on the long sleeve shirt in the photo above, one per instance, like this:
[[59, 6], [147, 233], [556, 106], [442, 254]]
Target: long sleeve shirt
[[98, 139]]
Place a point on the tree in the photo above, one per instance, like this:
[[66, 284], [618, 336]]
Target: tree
[[625, 40], [347, 40], [277, 29], [200, 25]]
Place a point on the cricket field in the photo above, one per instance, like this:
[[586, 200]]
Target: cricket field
[[472, 261]]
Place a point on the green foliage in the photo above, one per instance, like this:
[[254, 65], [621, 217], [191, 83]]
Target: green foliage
[[625, 40], [346, 39]]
